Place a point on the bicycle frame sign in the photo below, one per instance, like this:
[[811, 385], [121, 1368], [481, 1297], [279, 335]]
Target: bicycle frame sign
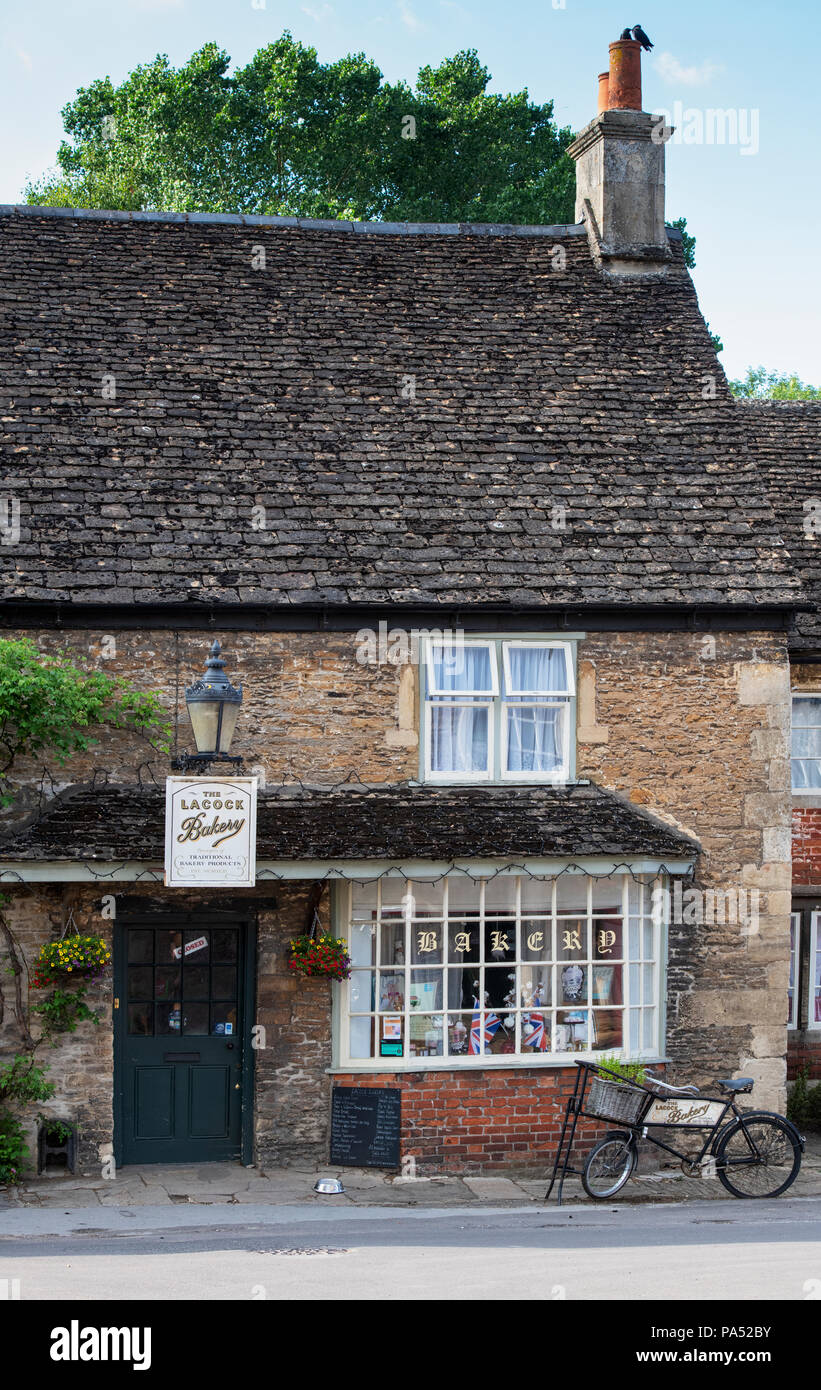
[[700, 1113]]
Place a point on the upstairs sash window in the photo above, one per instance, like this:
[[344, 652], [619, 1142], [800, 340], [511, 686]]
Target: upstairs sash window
[[498, 710], [806, 743]]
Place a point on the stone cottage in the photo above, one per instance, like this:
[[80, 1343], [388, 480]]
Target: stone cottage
[[510, 583]]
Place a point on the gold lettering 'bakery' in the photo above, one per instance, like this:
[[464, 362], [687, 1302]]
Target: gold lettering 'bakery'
[[192, 828]]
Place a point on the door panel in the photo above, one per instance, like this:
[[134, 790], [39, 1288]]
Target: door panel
[[180, 1046]]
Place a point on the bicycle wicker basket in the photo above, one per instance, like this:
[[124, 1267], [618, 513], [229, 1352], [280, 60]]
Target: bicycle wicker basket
[[615, 1100]]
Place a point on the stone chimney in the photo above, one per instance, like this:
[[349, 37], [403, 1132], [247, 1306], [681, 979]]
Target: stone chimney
[[620, 172]]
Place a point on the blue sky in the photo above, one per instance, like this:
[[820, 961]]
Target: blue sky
[[755, 206]]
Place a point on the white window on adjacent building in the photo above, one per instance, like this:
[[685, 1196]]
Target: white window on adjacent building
[[470, 972], [806, 743], [498, 711], [792, 989], [814, 992]]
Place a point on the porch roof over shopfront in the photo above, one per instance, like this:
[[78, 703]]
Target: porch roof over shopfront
[[353, 830]]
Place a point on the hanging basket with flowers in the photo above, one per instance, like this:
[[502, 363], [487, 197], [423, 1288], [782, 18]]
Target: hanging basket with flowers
[[75, 957], [319, 955]]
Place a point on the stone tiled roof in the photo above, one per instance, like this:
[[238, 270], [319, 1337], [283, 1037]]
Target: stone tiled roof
[[355, 821], [785, 440], [441, 415]]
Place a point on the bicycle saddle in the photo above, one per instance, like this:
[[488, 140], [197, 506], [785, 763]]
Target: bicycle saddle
[[739, 1085]]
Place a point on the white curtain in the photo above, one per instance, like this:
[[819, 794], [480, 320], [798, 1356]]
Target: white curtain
[[806, 742], [458, 668], [537, 670], [534, 738], [459, 738]]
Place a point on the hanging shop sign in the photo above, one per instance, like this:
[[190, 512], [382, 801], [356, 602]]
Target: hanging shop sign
[[210, 832]]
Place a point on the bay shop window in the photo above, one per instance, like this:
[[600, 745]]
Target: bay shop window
[[478, 972], [498, 711]]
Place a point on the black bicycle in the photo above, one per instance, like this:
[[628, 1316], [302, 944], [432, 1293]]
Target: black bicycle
[[752, 1153]]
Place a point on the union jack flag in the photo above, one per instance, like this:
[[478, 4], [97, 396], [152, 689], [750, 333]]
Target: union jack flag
[[537, 1037], [478, 1034]]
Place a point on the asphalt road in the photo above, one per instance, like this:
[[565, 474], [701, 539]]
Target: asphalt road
[[710, 1250]]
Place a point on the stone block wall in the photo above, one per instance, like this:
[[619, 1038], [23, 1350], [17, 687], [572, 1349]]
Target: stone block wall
[[691, 727]]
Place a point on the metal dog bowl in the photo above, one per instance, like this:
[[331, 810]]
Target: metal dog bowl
[[330, 1187]]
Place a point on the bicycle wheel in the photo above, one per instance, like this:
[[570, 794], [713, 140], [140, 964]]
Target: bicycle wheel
[[609, 1165], [758, 1156]]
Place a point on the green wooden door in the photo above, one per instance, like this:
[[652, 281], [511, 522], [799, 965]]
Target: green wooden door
[[180, 1022]]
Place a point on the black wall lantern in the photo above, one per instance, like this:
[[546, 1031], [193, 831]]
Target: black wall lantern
[[213, 706]]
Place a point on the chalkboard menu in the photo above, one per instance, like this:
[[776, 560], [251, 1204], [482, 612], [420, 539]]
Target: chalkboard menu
[[365, 1125]]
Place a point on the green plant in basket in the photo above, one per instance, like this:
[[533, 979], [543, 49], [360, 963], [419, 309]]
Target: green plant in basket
[[77, 956], [625, 1071], [320, 955]]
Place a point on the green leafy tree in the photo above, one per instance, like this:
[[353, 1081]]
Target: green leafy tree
[[288, 135], [759, 384], [51, 704]]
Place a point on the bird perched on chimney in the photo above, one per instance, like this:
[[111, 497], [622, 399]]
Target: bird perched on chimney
[[640, 37], [625, 34]]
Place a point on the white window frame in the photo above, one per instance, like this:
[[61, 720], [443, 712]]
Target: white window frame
[[497, 703], [803, 695], [795, 961], [650, 915], [813, 1025]]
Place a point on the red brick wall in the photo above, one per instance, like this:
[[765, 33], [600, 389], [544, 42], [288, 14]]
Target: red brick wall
[[804, 1050], [806, 846], [482, 1121]]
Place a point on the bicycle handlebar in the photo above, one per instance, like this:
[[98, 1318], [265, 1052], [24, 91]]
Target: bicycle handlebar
[[656, 1081]]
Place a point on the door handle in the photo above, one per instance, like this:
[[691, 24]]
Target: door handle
[[230, 1046]]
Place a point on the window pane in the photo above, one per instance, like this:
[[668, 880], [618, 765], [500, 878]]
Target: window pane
[[140, 982], [362, 991], [195, 1020], [224, 944], [223, 1018], [392, 991], [537, 671], [537, 896], [536, 938], [806, 743], [195, 982], [362, 1032], [534, 991], [463, 942], [459, 1026], [196, 946], [500, 941], [427, 943], [459, 738], [607, 984], [223, 982], [169, 1017], [363, 943], [426, 1035], [140, 947], [535, 738], [608, 1029], [535, 1032], [463, 988], [392, 943], [141, 1019], [169, 946], [166, 981], [426, 991], [806, 709], [573, 984], [461, 669], [571, 1030]]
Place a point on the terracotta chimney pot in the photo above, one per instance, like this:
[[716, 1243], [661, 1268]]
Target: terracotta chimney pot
[[624, 78], [604, 91]]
